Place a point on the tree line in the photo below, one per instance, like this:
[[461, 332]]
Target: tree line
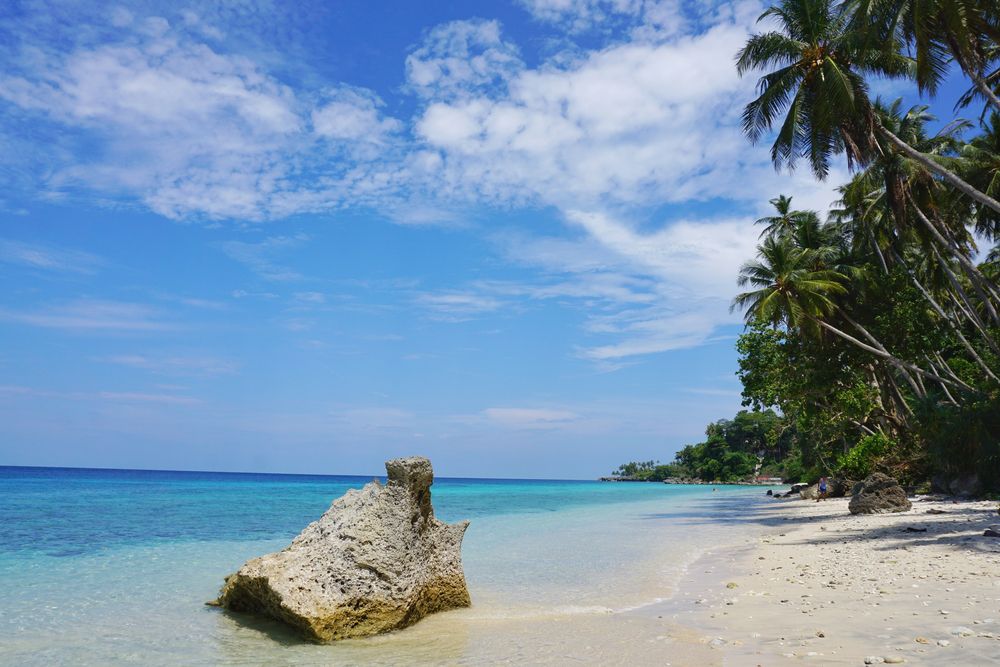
[[872, 336]]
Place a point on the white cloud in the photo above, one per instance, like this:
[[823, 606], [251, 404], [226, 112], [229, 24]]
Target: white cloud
[[461, 57], [633, 123], [191, 131], [353, 115]]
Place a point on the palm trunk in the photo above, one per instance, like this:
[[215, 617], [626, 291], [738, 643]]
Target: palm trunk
[[951, 178], [914, 382], [881, 353], [975, 276], [985, 89], [956, 329]]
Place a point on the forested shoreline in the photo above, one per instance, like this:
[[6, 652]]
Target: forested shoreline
[[872, 338]]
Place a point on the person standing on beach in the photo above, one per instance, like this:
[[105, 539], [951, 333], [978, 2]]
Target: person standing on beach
[[822, 489]]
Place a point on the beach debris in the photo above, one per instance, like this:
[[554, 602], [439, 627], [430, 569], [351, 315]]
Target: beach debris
[[878, 494], [943, 642], [874, 660], [893, 660], [922, 640], [732, 584], [377, 560], [992, 531], [960, 631], [935, 510]]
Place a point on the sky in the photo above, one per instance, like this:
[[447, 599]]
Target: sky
[[307, 237]]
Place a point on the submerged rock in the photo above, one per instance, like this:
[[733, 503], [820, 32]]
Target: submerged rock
[[377, 560], [878, 494]]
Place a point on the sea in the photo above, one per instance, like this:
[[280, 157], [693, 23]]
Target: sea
[[108, 567]]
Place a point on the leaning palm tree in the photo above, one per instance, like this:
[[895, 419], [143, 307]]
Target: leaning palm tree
[[818, 64]]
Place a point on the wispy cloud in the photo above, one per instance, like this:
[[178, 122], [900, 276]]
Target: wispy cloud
[[458, 306], [259, 256], [109, 396], [139, 397], [175, 365], [48, 258], [93, 315], [529, 418]]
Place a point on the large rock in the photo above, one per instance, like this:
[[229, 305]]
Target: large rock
[[377, 560], [878, 494]]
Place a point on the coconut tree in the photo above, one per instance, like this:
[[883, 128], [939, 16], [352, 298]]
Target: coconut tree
[[790, 292], [981, 159], [939, 32], [816, 66], [787, 220]]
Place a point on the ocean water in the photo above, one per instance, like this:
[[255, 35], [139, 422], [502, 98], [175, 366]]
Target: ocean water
[[114, 566]]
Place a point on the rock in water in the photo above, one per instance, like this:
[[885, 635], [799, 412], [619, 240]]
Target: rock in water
[[377, 560], [878, 494]]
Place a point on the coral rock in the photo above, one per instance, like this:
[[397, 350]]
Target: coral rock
[[878, 494], [377, 560]]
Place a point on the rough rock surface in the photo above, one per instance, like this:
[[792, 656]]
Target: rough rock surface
[[878, 494], [377, 560]]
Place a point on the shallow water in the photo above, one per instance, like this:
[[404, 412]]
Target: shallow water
[[103, 567]]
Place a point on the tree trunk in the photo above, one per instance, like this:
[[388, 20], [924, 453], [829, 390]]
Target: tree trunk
[[975, 276], [951, 324], [951, 178], [899, 363]]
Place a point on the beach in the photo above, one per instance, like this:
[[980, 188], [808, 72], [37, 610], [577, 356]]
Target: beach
[[810, 583]]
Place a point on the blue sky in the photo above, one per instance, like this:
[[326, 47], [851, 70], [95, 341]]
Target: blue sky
[[306, 237]]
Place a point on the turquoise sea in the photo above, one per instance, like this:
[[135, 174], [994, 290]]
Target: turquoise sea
[[113, 566]]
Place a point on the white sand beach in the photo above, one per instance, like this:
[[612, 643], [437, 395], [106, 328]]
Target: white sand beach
[[818, 585]]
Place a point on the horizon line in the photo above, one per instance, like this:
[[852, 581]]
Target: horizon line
[[288, 474]]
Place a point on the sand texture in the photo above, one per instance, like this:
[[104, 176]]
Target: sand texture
[[821, 586]]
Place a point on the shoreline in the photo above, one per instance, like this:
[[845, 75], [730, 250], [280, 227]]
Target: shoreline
[[810, 582]]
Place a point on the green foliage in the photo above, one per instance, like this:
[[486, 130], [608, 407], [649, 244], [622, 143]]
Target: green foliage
[[648, 471], [862, 459]]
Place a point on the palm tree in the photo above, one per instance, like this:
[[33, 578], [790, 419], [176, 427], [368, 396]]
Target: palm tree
[[819, 63], [981, 157], [791, 293], [787, 220], [939, 31], [788, 291]]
